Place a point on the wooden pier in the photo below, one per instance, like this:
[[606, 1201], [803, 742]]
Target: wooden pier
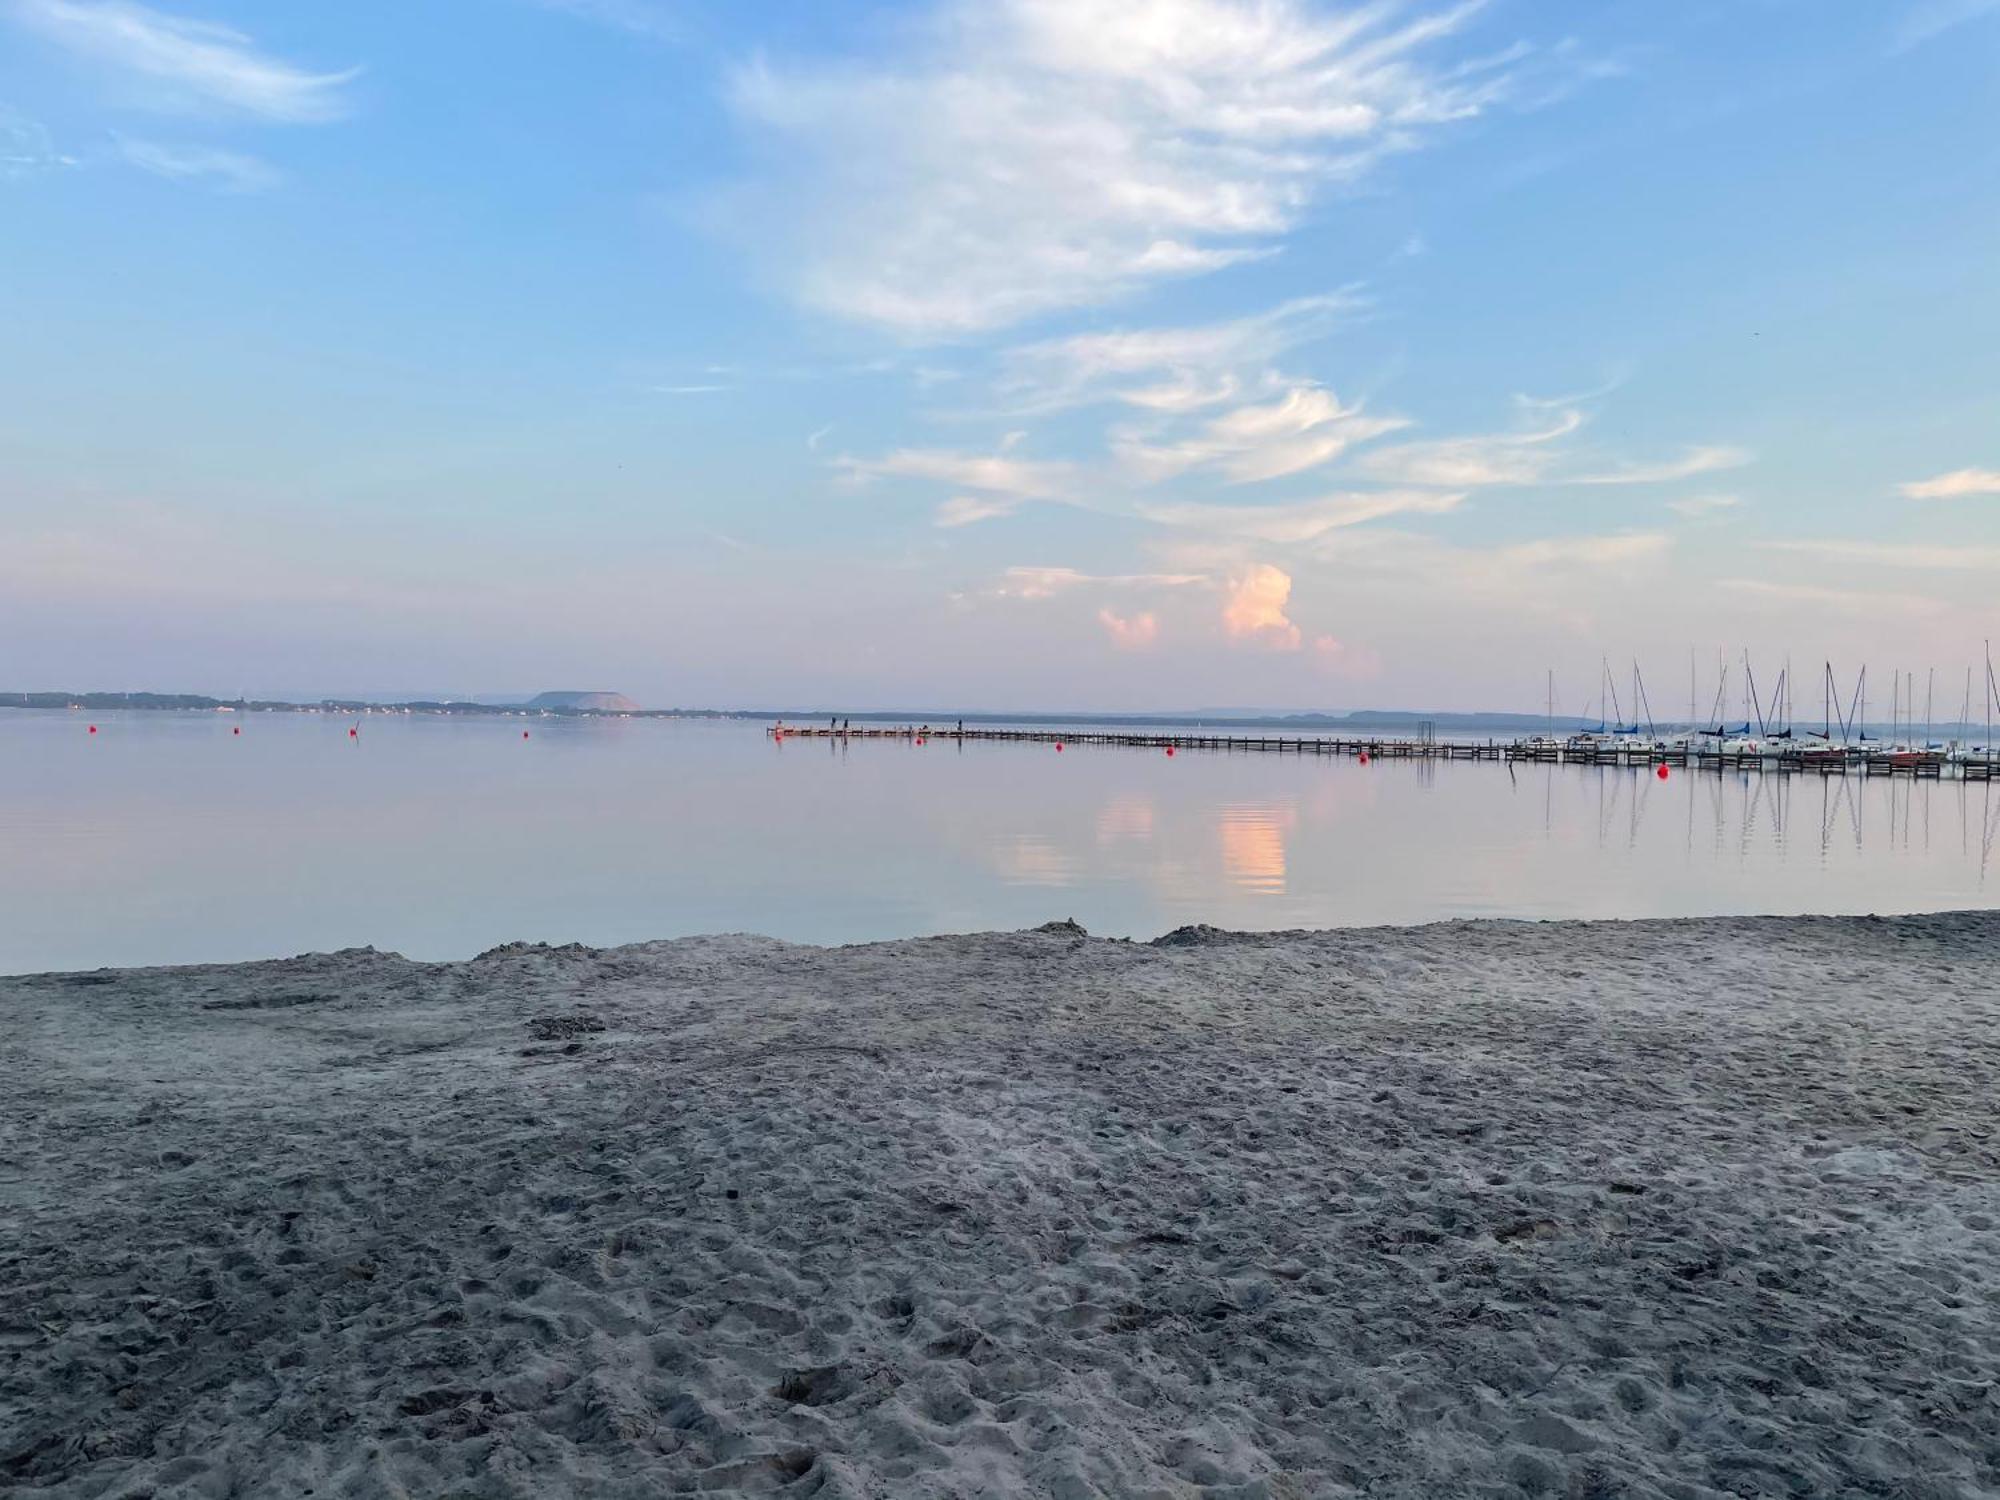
[[1792, 760]]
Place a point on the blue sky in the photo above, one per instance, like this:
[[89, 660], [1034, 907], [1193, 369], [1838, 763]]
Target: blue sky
[[1032, 353]]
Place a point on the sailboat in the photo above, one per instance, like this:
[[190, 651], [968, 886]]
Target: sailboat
[[1826, 755], [1544, 744], [1740, 741]]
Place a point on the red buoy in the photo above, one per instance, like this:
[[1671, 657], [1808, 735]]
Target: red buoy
[[354, 734], [1059, 747], [524, 734], [1170, 749], [1662, 773], [1364, 757], [93, 729], [920, 739], [236, 729]]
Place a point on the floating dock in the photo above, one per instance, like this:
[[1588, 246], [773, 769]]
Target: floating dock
[[1789, 759]]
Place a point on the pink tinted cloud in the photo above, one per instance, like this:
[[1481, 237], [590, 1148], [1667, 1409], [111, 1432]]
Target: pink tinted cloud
[[1255, 609], [1130, 633]]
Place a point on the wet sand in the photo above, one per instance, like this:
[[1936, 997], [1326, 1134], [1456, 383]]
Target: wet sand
[[1686, 1209]]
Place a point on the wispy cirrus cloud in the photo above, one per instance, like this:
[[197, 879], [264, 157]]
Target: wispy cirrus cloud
[[1302, 429], [228, 171], [1791, 595], [1074, 150], [1935, 17], [1938, 557], [1696, 506], [1471, 462], [1300, 521], [187, 63], [1959, 484], [1004, 483], [1046, 582], [1535, 456], [638, 17], [1703, 460], [996, 472], [1168, 369], [968, 510], [1586, 551], [26, 149]]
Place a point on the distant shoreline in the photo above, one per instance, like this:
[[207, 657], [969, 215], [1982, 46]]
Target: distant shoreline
[[200, 703], [1494, 723]]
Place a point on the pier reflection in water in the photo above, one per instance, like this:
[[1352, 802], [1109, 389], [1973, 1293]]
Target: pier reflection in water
[[165, 838]]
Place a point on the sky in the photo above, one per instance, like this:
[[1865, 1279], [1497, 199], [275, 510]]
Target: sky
[[1063, 354]]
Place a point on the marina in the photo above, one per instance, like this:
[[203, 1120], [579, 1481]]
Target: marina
[[1842, 745]]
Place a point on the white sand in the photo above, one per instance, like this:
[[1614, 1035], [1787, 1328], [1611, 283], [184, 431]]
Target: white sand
[[1656, 1209]]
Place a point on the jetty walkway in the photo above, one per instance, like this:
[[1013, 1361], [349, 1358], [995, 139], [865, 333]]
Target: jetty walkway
[[1812, 757]]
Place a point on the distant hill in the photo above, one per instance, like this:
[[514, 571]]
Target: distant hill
[[591, 703]]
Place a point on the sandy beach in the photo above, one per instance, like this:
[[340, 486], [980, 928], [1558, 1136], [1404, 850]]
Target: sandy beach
[[1679, 1208]]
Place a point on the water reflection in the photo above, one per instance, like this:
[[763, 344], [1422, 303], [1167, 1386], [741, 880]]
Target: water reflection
[[166, 839], [1253, 845], [1028, 860], [1125, 817]]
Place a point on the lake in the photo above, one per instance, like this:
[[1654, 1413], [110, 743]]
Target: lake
[[166, 838]]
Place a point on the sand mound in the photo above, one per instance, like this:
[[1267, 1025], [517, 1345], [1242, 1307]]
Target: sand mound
[[1684, 1209]]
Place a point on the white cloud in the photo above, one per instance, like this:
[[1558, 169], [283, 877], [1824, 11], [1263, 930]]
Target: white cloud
[[191, 62], [1942, 557], [1922, 22], [1469, 462], [1863, 601], [1167, 369], [1957, 485], [635, 16], [1044, 583], [1255, 608], [230, 171], [1304, 428], [1023, 479], [1588, 552], [1530, 457], [1694, 461], [1030, 155], [1130, 633], [1703, 505], [25, 148], [964, 510], [689, 390], [1181, 394], [1301, 521]]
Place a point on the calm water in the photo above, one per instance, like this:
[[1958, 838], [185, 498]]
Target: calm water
[[166, 839]]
